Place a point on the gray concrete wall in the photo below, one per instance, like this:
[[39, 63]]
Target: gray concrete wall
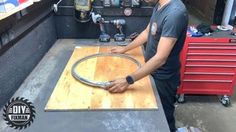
[[19, 60]]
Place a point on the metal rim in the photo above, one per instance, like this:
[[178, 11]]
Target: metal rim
[[94, 83]]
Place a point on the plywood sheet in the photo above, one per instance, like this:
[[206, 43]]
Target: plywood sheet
[[70, 94]]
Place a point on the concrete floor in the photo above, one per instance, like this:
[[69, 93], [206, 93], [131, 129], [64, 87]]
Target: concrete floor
[[207, 113]]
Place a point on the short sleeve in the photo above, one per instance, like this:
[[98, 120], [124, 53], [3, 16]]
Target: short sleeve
[[174, 24]]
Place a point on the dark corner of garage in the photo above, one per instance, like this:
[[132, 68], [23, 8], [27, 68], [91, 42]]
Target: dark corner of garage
[[117, 65]]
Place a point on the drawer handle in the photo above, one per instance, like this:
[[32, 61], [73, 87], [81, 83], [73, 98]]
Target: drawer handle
[[212, 60], [219, 54], [211, 44], [223, 66], [211, 48], [215, 81], [208, 73]]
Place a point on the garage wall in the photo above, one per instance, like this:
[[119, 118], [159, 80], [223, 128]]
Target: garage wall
[[23, 43], [205, 8], [68, 27]]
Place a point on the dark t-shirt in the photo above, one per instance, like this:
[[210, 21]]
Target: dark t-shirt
[[169, 21]]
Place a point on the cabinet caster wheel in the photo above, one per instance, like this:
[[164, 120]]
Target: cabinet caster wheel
[[225, 100], [180, 98]]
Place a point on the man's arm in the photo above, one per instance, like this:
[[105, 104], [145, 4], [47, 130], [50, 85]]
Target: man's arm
[[164, 48], [173, 27], [140, 40]]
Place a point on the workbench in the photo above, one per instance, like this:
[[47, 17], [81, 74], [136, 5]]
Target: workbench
[[40, 84]]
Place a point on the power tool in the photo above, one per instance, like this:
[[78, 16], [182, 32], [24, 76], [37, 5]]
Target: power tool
[[97, 19], [104, 37], [119, 23]]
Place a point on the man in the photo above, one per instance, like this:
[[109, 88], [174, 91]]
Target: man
[[165, 36]]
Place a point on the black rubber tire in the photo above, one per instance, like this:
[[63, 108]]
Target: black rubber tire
[[180, 98], [225, 101]]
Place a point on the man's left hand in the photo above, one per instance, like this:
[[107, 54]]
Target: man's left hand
[[118, 86]]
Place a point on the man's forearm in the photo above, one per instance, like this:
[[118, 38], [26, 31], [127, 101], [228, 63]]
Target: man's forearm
[[140, 40]]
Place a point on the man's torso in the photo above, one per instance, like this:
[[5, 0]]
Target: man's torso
[[172, 65]]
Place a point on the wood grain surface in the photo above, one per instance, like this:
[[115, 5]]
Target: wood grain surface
[[70, 94]]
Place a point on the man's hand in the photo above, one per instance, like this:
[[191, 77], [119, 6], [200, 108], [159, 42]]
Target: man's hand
[[120, 50], [118, 86]]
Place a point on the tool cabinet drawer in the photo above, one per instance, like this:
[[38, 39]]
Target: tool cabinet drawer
[[206, 87], [211, 48], [208, 76], [208, 67]]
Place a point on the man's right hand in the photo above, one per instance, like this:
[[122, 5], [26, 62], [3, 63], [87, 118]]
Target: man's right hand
[[119, 50], [138, 41]]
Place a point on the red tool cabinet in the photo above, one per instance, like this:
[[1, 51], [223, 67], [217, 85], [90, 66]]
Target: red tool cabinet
[[209, 66]]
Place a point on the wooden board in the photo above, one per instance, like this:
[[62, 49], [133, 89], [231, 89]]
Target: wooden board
[[70, 94]]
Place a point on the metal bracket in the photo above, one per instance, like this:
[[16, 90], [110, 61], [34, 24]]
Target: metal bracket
[[55, 6]]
